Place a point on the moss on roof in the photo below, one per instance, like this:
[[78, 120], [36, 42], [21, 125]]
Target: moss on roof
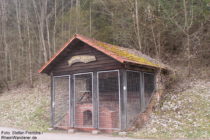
[[126, 55]]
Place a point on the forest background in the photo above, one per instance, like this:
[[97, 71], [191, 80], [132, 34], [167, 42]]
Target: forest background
[[173, 31]]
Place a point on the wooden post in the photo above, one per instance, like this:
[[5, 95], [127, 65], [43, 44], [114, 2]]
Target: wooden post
[[123, 99], [72, 101], [52, 100], [95, 101], [142, 91]]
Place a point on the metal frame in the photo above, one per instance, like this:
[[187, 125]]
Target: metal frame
[[74, 124], [154, 82], [53, 98], [140, 94], [123, 100], [142, 83], [118, 74], [142, 101], [98, 96], [69, 100]]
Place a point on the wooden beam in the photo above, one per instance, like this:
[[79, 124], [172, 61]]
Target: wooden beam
[[123, 99], [95, 101], [101, 68], [139, 68]]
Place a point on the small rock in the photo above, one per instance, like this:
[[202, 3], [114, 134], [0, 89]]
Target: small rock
[[123, 133], [71, 131], [50, 129], [95, 132]]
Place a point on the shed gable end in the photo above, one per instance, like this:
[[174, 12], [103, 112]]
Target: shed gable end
[[83, 57]]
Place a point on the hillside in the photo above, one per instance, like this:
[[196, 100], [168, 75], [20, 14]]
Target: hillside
[[26, 108], [181, 115], [184, 115]]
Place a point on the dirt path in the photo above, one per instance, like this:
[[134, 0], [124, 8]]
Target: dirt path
[[4, 132]]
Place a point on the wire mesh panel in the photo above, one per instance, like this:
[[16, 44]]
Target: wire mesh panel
[[133, 96], [108, 89], [83, 101], [149, 86], [61, 101]]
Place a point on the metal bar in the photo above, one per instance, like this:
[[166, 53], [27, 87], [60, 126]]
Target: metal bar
[[92, 100], [61, 76], [108, 71], [98, 99], [142, 91], [119, 90], [83, 73], [95, 101], [52, 100], [123, 100], [69, 101], [72, 101]]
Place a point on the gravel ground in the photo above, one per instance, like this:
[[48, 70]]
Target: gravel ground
[[60, 136]]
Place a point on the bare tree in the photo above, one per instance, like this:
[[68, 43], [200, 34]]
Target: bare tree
[[137, 24], [185, 27], [54, 27], [77, 15], [41, 19], [29, 48], [4, 19], [90, 18]]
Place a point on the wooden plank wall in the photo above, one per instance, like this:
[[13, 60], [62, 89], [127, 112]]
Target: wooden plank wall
[[103, 62]]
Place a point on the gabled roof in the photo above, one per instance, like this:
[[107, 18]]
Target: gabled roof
[[120, 54]]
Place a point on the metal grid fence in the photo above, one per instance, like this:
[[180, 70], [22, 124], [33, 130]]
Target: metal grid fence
[[149, 86], [61, 101], [133, 96], [108, 90], [108, 84], [83, 100]]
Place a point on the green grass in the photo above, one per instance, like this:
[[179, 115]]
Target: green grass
[[26, 108], [182, 115]]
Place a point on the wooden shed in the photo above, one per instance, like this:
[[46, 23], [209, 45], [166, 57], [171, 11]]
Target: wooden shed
[[96, 85]]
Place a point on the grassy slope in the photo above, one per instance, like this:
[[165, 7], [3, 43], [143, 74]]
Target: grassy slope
[[186, 114], [182, 115], [26, 108]]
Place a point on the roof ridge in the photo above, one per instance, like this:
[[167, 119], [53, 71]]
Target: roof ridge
[[120, 54]]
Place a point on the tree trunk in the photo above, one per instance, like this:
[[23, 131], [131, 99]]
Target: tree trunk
[[137, 24]]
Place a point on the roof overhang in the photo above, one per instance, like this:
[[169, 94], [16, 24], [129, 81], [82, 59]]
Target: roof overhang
[[90, 43], [85, 40]]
